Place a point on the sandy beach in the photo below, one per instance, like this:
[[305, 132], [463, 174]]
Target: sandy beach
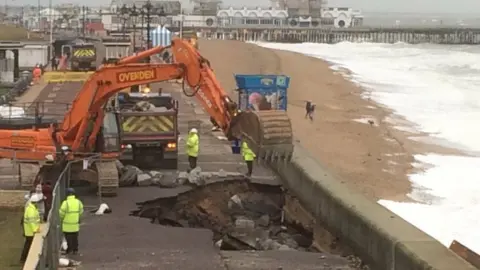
[[372, 158]]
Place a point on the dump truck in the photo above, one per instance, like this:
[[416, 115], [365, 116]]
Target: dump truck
[[149, 125], [83, 57]]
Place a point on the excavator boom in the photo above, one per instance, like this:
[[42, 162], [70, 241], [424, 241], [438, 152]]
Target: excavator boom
[[268, 133]]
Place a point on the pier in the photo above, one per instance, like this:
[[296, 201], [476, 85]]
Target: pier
[[453, 36]]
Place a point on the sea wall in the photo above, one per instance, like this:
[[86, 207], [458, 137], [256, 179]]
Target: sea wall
[[381, 238], [12, 198]]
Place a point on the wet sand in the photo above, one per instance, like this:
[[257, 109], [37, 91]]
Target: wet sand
[[373, 158]]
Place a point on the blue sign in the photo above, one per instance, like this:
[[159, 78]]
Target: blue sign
[[262, 92]]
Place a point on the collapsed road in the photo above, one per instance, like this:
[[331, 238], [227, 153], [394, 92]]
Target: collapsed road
[[213, 218]]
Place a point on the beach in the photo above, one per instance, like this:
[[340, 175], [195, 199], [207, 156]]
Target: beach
[[369, 156]]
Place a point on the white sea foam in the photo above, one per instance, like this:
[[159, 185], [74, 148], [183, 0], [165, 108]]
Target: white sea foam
[[437, 88]]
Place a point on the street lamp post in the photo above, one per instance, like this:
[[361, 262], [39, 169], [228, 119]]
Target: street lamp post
[[148, 10], [84, 18], [142, 15], [127, 13], [124, 16], [162, 16], [134, 15]]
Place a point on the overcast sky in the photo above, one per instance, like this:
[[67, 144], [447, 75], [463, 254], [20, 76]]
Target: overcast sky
[[421, 6]]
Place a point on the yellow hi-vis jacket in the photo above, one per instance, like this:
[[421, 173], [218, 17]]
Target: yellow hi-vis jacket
[[247, 153], [192, 145], [31, 220], [70, 212]]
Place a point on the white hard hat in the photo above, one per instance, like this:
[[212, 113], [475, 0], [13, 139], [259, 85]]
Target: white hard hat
[[193, 130]]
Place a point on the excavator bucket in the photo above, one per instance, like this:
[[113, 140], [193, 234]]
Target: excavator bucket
[[268, 133], [465, 253], [264, 122], [66, 76]]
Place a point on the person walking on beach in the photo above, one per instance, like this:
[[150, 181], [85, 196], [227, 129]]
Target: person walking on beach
[[312, 111], [308, 107]]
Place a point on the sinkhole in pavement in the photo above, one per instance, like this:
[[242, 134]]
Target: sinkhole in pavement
[[242, 215]]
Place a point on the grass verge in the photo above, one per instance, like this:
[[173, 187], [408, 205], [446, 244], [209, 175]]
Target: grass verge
[[11, 239]]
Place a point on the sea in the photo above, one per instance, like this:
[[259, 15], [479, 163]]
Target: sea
[[437, 88]]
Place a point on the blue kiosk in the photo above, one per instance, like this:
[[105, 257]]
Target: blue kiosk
[[261, 92]]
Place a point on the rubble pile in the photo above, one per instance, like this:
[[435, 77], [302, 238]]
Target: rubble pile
[[133, 176], [242, 215]]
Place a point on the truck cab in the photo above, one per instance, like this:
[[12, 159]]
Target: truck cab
[[83, 57]]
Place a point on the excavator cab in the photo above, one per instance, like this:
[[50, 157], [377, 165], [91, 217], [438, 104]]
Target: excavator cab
[[108, 141]]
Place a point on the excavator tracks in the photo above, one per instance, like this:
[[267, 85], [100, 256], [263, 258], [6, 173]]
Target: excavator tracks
[[108, 180], [268, 133]]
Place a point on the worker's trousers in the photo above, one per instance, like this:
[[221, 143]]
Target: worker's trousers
[[249, 167], [72, 241], [26, 248], [193, 162]]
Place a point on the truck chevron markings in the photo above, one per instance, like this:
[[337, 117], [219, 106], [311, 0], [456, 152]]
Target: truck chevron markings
[[148, 124], [84, 53]]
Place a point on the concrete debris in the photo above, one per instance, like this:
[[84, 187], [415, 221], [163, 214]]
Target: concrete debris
[[195, 177], [144, 179], [128, 175], [302, 241], [263, 221], [159, 179], [244, 223], [287, 240], [235, 202], [182, 178], [222, 173]]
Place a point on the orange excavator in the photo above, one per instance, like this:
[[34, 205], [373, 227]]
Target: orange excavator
[[90, 130]]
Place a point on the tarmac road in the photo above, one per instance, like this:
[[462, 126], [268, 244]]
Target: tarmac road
[[52, 101], [119, 241]]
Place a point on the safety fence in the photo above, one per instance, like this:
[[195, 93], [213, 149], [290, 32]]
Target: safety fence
[[45, 250]]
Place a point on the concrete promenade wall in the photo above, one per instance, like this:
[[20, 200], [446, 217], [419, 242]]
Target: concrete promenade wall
[[12, 198], [380, 237]]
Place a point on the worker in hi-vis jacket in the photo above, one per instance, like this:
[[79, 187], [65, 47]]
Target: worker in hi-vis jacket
[[248, 156], [193, 144]]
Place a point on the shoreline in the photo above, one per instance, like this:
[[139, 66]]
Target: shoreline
[[397, 130], [374, 159]]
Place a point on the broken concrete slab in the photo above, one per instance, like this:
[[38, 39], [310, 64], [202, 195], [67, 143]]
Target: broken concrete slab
[[144, 179]]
